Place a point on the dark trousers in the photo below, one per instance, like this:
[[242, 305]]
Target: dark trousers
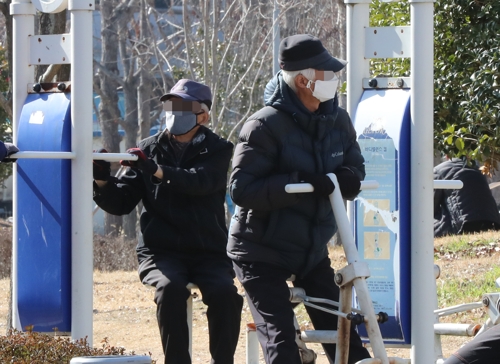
[[213, 275], [483, 349], [268, 296]]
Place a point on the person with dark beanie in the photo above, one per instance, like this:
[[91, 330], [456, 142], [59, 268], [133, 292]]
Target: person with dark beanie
[[301, 135]]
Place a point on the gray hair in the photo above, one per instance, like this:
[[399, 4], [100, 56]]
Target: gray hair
[[289, 76], [205, 107]]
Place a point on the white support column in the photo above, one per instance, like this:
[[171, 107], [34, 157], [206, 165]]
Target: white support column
[[81, 169], [358, 18], [423, 283], [23, 25]]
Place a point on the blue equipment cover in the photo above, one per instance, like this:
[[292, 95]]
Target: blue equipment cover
[[382, 216], [44, 215]]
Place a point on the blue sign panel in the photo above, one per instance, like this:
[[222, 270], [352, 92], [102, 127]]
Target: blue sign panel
[[382, 216], [44, 215]]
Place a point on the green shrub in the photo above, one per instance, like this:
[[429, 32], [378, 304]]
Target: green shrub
[[36, 348]]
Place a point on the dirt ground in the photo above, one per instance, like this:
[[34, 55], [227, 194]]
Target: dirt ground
[[124, 313]]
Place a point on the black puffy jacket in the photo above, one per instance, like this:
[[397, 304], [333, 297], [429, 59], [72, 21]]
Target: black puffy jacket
[[277, 142], [455, 207], [184, 211]]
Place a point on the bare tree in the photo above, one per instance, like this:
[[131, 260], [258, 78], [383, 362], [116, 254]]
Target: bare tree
[[145, 90], [227, 45], [106, 87], [6, 100]]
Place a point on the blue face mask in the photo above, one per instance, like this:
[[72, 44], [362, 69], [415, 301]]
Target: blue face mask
[[180, 123]]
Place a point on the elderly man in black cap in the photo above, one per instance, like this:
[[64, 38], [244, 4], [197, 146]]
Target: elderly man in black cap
[[180, 176], [299, 136]]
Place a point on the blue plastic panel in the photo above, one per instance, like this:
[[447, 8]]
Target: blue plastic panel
[[382, 216], [44, 215]]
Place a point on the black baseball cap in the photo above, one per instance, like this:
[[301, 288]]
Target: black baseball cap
[[302, 51], [190, 90]]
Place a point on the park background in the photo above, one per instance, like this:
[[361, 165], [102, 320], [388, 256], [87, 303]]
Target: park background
[[142, 47]]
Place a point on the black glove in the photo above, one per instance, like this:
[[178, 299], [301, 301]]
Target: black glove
[[323, 185], [146, 165], [349, 182], [7, 149], [101, 170]]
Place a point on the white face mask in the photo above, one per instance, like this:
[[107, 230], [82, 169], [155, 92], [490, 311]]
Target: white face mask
[[324, 90]]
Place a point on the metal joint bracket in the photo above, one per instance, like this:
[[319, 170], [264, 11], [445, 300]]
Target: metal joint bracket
[[297, 294], [352, 271], [492, 303], [81, 5], [49, 87], [50, 49], [22, 9], [386, 83], [388, 42]]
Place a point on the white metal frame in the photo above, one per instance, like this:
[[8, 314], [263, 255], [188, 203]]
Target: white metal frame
[[353, 275], [76, 49], [423, 284]]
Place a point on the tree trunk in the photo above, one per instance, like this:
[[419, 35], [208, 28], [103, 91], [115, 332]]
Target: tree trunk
[[145, 82], [5, 9], [109, 114], [124, 13]]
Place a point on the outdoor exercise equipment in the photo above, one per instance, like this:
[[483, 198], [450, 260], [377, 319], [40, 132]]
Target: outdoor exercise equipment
[[52, 205], [415, 42], [52, 125], [353, 275]]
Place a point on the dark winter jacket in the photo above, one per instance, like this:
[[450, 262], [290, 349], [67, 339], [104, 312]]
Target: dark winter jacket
[[454, 208], [183, 212], [277, 142]]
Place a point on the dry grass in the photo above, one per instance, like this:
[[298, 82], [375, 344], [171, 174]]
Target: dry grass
[[124, 311]]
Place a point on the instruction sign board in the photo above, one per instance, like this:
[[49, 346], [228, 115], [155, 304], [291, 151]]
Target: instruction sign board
[[382, 216]]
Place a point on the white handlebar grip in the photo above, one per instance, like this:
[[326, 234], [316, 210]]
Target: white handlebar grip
[[307, 187]]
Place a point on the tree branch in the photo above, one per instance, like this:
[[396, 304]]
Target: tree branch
[[114, 76]]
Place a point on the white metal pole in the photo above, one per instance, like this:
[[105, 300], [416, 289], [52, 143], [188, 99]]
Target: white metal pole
[[358, 18], [423, 283], [23, 25], [360, 285], [81, 169], [252, 345]]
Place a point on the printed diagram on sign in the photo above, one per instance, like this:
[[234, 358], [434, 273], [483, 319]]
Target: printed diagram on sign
[[372, 217], [377, 245]]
